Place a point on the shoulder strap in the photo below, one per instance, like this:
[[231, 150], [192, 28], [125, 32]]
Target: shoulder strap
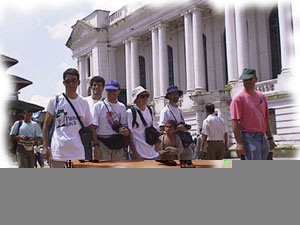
[[105, 105], [20, 124], [134, 117], [175, 117], [142, 117], [73, 109]]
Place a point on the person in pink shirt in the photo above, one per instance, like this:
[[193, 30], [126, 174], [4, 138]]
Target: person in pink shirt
[[250, 120]]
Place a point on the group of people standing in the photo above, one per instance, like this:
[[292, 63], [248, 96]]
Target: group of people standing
[[114, 127]]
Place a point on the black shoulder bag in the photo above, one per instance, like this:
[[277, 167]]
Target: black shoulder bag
[[152, 134], [185, 136], [84, 132]]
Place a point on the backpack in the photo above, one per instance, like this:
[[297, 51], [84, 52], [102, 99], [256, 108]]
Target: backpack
[[133, 110]]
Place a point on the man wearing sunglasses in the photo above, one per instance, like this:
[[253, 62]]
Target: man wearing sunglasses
[[66, 143], [250, 120]]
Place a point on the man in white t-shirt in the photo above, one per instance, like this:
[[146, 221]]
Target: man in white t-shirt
[[109, 118], [215, 134], [66, 143], [172, 112], [140, 97], [96, 85]]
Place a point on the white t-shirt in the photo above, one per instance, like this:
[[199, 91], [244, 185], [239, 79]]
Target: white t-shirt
[[166, 114], [66, 143], [104, 118], [143, 148], [92, 102], [214, 128]]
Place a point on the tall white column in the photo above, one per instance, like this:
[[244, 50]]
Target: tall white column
[[198, 50], [296, 23], [155, 63], [189, 51], [241, 38], [112, 63], [135, 69], [231, 43], [128, 70], [82, 73], [286, 34], [163, 58]]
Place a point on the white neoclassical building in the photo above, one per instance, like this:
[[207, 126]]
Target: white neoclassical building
[[197, 48]]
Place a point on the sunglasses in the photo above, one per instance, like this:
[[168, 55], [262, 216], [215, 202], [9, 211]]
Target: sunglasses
[[69, 81], [144, 96]]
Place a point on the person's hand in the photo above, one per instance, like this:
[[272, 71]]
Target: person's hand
[[240, 149], [136, 156], [45, 152], [272, 145], [124, 131], [97, 152], [21, 137]]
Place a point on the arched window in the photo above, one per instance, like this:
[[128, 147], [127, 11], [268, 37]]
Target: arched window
[[205, 61], [171, 65], [142, 71], [275, 43]]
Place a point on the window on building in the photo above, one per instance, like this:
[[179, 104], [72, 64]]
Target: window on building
[[275, 43], [142, 71], [273, 120], [171, 65], [205, 61], [88, 63]]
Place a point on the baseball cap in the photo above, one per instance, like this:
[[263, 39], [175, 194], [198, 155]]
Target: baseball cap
[[112, 85]]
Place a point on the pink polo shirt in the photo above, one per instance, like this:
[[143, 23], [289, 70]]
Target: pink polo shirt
[[251, 110]]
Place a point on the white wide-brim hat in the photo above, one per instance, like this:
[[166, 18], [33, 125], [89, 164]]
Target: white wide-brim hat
[[137, 91]]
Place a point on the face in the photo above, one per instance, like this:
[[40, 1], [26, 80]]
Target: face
[[169, 129], [113, 94], [27, 115], [250, 83], [174, 96], [71, 83], [97, 88], [142, 98]]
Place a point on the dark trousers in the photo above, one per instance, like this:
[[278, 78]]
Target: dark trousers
[[39, 158], [25, 158], [215, 150]]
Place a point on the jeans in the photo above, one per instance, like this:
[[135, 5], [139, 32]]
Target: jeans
[[256, 145]]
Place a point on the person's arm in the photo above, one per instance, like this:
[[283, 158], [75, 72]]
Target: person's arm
[[95, 142], [226, 141], [240, 148], [46, 127], [203, 143], [270, 138]]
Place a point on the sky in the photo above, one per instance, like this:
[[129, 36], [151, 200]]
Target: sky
[[35, 33]]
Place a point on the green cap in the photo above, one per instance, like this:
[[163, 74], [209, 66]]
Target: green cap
[[248, 74]]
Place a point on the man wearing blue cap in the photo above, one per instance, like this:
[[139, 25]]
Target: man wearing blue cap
[[109, 117], [250, 120], [172, 112]]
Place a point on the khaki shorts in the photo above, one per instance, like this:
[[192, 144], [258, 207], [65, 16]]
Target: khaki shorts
[[109, 154]]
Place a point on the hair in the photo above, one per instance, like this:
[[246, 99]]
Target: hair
[[173, 123], [72, 72], [97, 79], [210, 108]]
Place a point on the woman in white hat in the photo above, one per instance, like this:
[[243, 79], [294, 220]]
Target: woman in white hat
[[139, 117]]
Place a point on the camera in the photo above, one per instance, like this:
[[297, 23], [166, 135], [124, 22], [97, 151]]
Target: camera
[[116, 127], [187, 126]]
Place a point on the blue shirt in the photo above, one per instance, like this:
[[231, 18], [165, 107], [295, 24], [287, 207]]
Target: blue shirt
[[31, 129]]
